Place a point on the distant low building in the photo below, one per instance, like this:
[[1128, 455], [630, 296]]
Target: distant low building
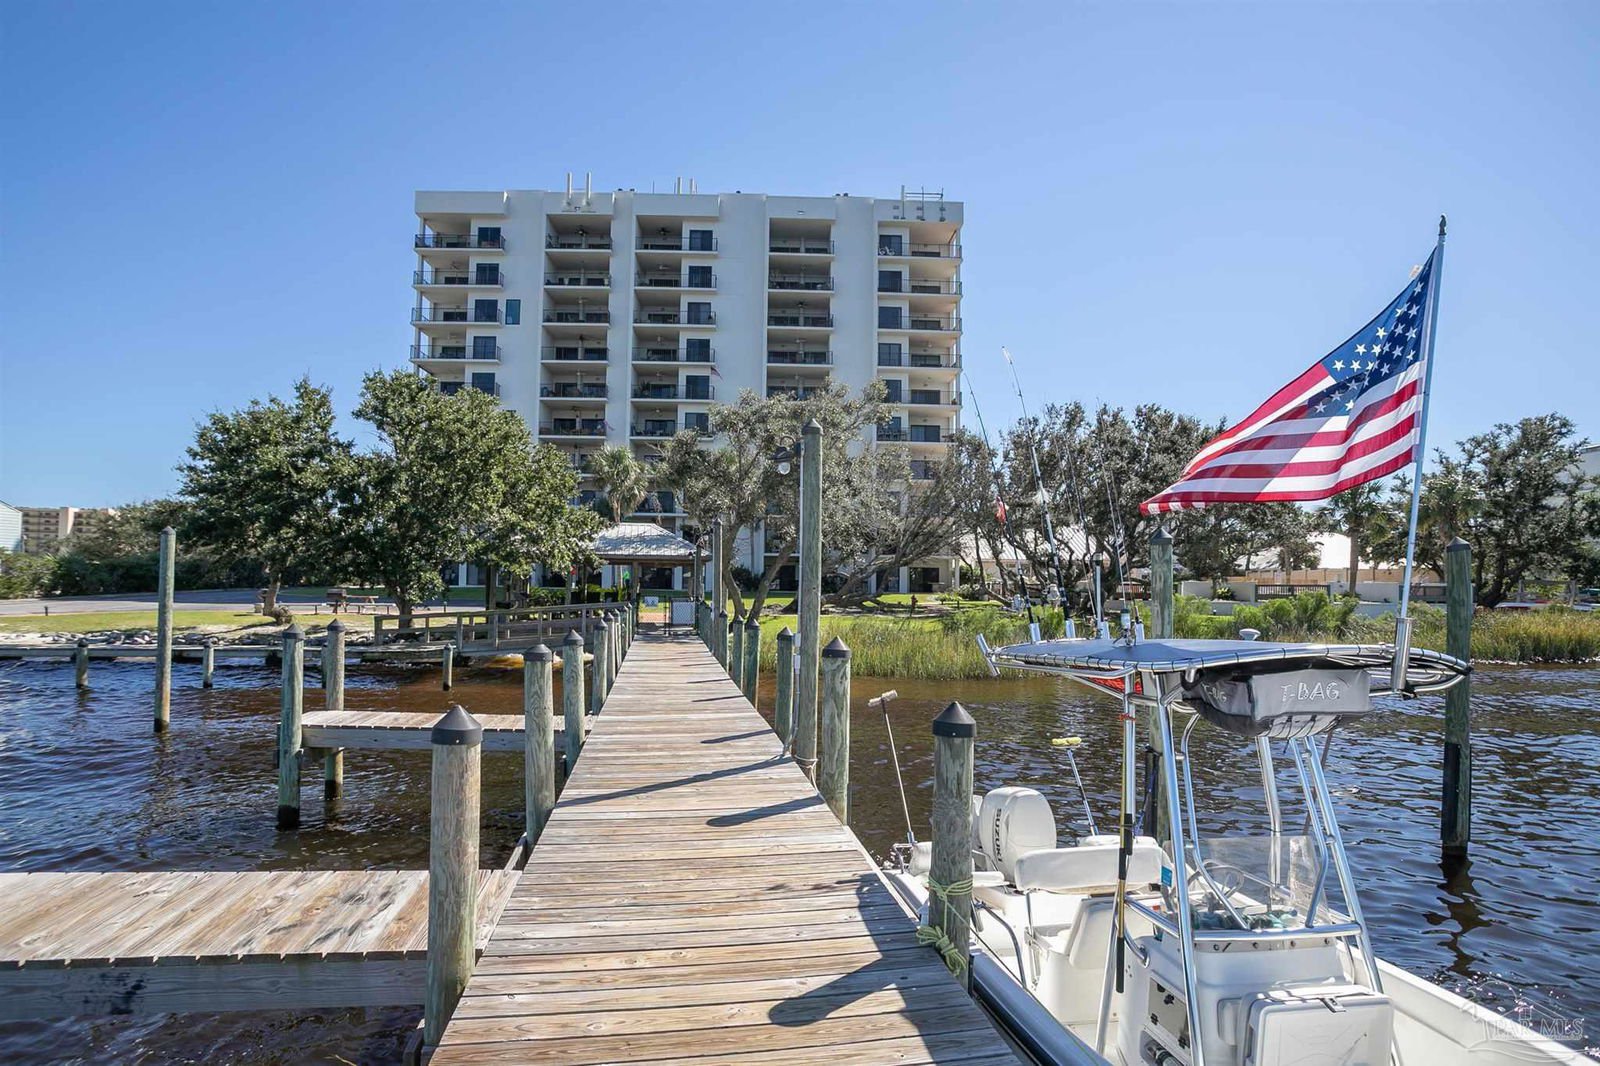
[[10, 528], [43, 528]]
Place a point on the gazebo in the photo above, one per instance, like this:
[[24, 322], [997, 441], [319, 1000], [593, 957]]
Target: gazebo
[[642, 545]]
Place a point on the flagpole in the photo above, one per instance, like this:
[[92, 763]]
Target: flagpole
[[1402, 624]]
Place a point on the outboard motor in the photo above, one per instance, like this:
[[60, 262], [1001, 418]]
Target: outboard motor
[[1009, 823]]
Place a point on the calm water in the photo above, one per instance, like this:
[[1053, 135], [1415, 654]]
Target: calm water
[[89, 787]]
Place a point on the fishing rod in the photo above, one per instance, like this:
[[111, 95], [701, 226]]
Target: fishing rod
[[1000, 512], [1069, 743], [1119, 541], [1038, 477], [882, 702], [1091, 563]]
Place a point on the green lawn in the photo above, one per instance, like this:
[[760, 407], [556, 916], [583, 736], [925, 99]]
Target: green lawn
[[102, 620]]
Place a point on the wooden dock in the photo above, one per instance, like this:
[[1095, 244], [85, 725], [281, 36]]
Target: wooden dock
[[124, 943], [407, 731], [693, 900]]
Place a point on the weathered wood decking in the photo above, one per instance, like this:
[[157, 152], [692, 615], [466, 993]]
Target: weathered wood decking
[[693, 900], [122, 943]]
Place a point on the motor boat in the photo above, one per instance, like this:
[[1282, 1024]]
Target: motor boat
[[1160, 945]]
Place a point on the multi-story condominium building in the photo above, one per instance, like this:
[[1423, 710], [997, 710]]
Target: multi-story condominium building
[[618, 318], [43, 528], [10, 528]]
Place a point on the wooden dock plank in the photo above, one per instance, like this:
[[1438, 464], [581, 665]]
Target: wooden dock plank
[[404, 730], [693, 900]]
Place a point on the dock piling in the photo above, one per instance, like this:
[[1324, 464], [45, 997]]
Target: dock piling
[[810, 646], [1162, 615], [539, 748], [333, 699], [290, 709], [833, 767], [80, 662], [1455, 830], [164, 581], [208, 664], [719, 635], [597, 668], [783, 687], [950, 870], [452, 866], [447, 667], [572, 696], [751, 672], [614, 651], [736, 649]]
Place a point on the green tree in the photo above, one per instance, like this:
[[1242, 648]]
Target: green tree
[[259, 483], [1368, 515], [453, 477], [621, 480]]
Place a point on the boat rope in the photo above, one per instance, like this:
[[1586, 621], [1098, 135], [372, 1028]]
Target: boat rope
[[938, 936]]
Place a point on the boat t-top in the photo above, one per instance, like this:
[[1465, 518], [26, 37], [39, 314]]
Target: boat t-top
[[1160, 946]]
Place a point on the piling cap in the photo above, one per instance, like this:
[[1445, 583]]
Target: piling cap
[[786, 634], [294, 632], [335, 626], [573, 638], [753, 625], [1457, 545], [954, 721], [83, 642], [541, 653], [836, 649], [457, 728], [1161, 536], [812, 428], [721, 613]]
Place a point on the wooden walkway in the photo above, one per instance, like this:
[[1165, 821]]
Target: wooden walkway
[[407, 731], [692, 900], [123, 943]]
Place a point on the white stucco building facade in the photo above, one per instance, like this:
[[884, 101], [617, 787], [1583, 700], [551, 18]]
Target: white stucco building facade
[[618, 318]]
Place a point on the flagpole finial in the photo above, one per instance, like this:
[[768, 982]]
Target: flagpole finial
[[1441, 226]]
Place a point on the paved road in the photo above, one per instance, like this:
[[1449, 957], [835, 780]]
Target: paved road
[[196, 600]]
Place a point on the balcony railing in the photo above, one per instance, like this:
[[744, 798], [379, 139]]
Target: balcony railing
[[920, 287], [890, 433], [575, 241], [562, 316], [921, 323], [791, 392], [901, 249], [572, 391], [568, 354], [450, 388], [587, 281], [674, 355], [573, 427], [925, 435], [927, 397], [668, 317], [819, 358], [803, 319], [673, 392], [933, 359], [458, 240], [799, 246], [454, 351], [670, 243], [676, 281], [463, 278], [455, 314], [802, 282], [654, 429]]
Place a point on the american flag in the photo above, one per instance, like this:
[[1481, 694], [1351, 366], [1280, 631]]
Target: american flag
[[1354, 417]]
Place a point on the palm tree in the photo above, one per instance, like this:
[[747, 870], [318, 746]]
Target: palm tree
[[621, 481], [1360, 513]]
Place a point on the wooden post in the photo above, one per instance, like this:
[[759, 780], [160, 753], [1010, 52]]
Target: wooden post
[[1161, 601], [950, 911], [539, 747], [614, 652], [833, 767], [290, 707], [164, 572], [572, 696], [809, 651], [736, 649], [752, 659], [452, 866], [1455, 830], [333, 692], [494, 629], [80, 662], [208, 664], [447, 667], [597, 669], [719, 591], [719, 633], [461, 633], [783, 685]]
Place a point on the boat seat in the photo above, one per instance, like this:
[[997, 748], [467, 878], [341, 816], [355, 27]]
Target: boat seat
[[1087, 867]]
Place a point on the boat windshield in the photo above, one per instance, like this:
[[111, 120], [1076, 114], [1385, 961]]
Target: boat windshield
[[1259, 882]]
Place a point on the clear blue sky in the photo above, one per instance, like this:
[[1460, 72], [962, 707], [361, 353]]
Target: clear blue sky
[[1184, 204]]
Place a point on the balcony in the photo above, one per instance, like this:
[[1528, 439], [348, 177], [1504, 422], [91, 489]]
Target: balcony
[[923, 469], [799, 246], [674, 355], [924, 398], [921, 359], [489, 353], [458, 278], [671, 242], [792, 392], [567, 390], [564, 316], [800, 282], [577, 242], [887, 434], [673, 392], [898, 249], [920, 286], [800, 358], [920, 323], [481, 316], [450, 388], [654, 428], [667, 316], [576, 280], [462, 241], [573, 427], [691, 280], [572, 354], [800, 319], [926, 435]]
